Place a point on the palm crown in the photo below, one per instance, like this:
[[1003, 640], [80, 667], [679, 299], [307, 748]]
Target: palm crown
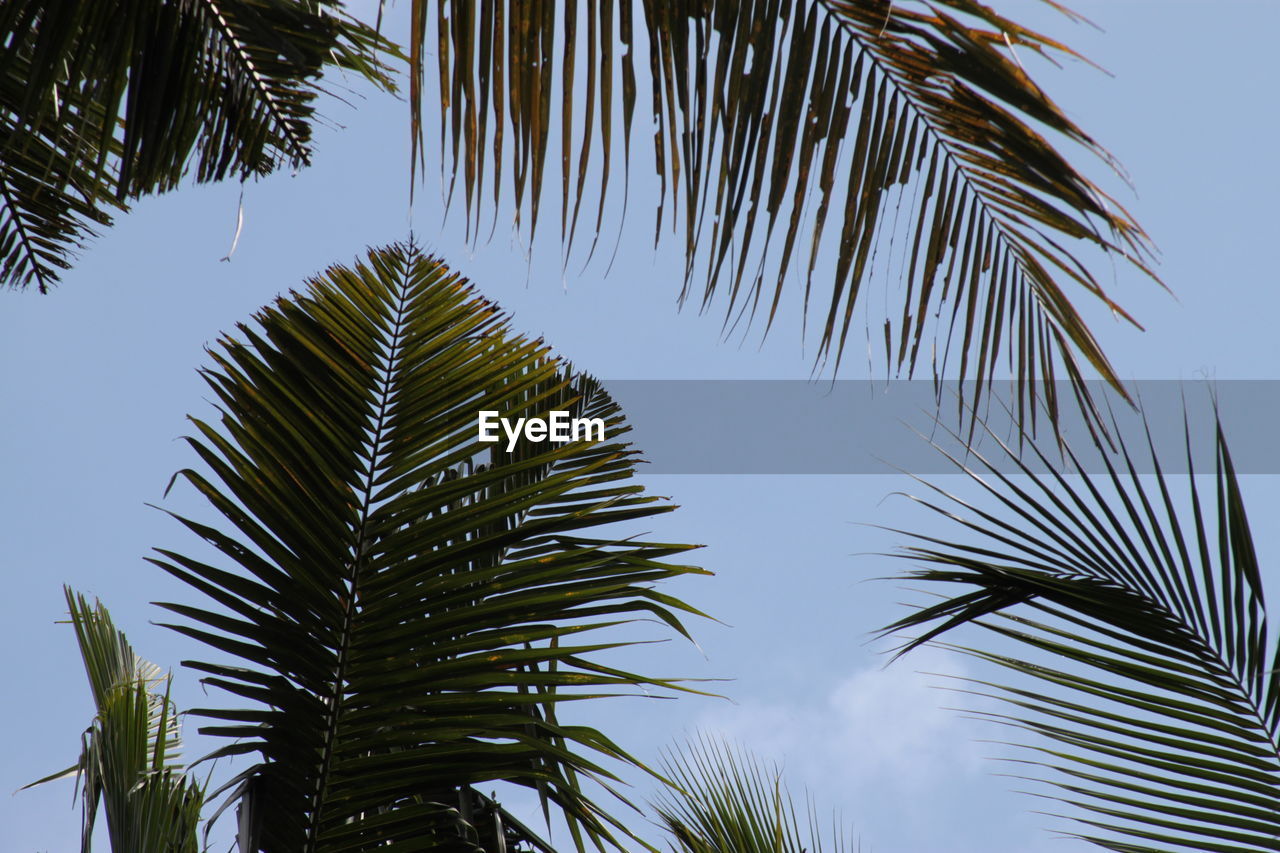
[[401, 611]]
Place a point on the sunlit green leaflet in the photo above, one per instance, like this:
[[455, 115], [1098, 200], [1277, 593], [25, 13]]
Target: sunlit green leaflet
[[128, 760], [723, 800]]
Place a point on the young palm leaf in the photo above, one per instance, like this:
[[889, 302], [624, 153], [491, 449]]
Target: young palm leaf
[[105, 102], [722, 800], [1150, 690], [904, 135], [127, 762], [401, 608]]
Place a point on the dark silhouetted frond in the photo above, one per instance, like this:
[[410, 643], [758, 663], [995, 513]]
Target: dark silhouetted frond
[[105, 102], [720, 799], [805, 146], [1149, 694], [407, 607]]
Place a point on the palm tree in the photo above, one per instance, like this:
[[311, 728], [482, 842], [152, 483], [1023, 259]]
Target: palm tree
[[1147, 690], [401, 621], [905, 135], [105, 102], [128, 762], [777, 121], [398, 609], [720, 799]]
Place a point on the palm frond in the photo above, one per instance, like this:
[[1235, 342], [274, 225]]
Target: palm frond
[[905, 135], [403, 606], [720, 799], [1149, 690], [104, 102], [128, 762], [50, 205]]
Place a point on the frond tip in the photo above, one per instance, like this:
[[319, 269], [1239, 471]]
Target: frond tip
[[721, 799], [410, 606], [128, 760]]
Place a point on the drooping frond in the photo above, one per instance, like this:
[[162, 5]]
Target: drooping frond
[[1148, 685], [720, 799], [406, 607], [128, 760], [47, 211], [104, 102], [804, 145]]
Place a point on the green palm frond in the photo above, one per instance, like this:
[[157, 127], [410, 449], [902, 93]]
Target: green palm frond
[[723, 800], [50, 204], [904, 135], [129, 754], [1150, 693], [400, 608], [104, 102]]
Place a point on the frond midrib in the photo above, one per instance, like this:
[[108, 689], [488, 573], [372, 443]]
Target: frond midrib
[[1213, 659], [24, 234], [377, 428], [1008, 246], [298, 146], [1251, 715]]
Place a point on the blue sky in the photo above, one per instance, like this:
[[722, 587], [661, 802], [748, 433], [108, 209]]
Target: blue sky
[[99, 376]]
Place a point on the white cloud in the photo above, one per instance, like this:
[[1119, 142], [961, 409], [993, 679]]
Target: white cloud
[[880, 730], [880, 749], [886, 750]]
